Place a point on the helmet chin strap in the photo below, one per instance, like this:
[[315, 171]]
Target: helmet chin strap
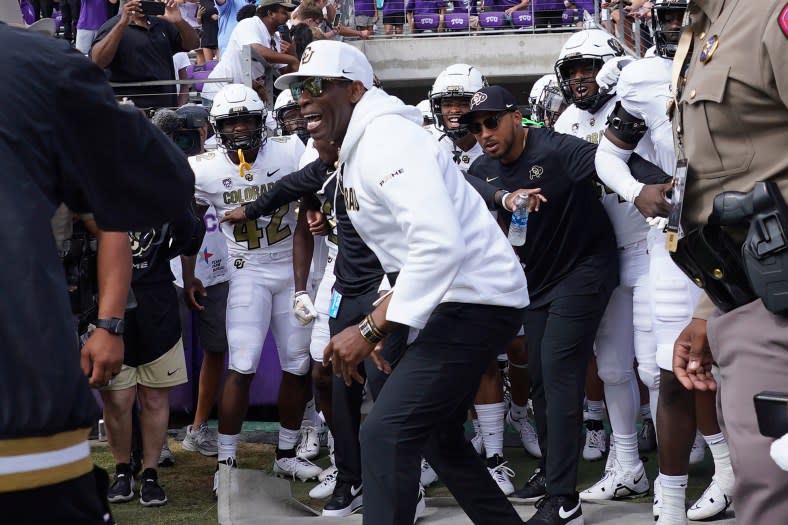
[[243, 166]]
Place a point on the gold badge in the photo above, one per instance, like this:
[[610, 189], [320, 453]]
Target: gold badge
[[709, 48]]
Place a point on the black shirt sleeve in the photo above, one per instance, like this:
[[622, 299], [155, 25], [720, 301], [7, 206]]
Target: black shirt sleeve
[[646, 172], [105, 28], [111, 160], [174, 36], [289, 188], [578, 156]]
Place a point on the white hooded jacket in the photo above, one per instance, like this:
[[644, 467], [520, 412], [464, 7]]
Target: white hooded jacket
[[412, 206]]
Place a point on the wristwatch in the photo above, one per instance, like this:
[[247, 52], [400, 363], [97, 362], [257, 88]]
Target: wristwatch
[[112, 325]]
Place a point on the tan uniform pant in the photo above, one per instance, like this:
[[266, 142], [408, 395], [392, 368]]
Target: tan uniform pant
[[750, 344]]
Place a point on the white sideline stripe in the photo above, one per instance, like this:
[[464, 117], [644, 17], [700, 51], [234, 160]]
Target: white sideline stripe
[[44, 460]]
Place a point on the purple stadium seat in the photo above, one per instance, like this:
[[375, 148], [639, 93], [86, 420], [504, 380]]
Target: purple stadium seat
[[492, 19], [426, 22], [456, 21], [195, 72], [571, 16], [522, 19]]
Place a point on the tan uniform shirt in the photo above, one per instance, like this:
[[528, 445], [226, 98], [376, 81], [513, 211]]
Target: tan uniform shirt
[[734, 105]]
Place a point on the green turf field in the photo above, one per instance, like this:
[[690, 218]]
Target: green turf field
[[188, 484]]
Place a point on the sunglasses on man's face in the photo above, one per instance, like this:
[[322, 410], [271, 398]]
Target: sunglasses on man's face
[[490, 123], [315, 86]]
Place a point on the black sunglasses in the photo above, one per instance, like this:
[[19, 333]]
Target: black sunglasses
[[489, 123], [312, 85]]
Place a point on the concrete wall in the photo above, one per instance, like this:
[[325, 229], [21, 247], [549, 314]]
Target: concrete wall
[[502, 57]]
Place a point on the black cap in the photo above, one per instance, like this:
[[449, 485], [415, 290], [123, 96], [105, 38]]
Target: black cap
[[193, 116], [490, 98]]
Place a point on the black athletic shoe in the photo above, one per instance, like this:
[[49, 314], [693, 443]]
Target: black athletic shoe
[[534, 488], [151, 494], [557, 510], [346, 499], [122, 488]]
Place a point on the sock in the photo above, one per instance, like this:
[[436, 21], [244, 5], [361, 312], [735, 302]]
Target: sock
[[123, 468], [723, 471], [476, 429], [491, 426], [287, 438], [645, 412], [595, 410], [627, 450], [310, 415], [673, 496], [228, 445], [518, 412]]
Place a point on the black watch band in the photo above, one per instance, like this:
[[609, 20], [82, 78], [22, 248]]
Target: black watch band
[[113, 325]]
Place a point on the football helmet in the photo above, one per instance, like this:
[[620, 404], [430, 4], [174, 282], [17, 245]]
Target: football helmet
[[290, 123], [552, 103], [234, 102], [426, 112], [590, 45], [457, 80], [666, 34], [534, 98]]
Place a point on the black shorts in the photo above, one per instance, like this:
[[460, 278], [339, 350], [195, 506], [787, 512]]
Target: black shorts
[[394, 20], [210, 325], [153, 327]]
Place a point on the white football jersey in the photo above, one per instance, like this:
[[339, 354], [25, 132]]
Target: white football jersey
[[463, 159], [628, 223], [644, 91], [217, 182]]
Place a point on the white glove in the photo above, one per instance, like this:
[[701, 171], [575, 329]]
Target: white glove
[[607, 78], [779, 452], [657, 222], [303, 308]]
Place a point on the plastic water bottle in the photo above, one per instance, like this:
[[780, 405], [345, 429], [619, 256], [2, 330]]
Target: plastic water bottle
[[519, 225]]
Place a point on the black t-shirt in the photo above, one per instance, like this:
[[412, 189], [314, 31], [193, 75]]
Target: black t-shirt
[[144, 55], [571, 237], [63, 138], [357, 269]]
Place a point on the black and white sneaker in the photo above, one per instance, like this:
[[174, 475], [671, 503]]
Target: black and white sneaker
[[151, 493], [122, 488], [534, 488], [346, 499], [557, 510]]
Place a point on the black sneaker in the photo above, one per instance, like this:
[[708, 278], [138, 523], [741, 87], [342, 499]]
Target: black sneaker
[[345, 500], [122, 488], [557, 510], [534, 488], [151, 494]]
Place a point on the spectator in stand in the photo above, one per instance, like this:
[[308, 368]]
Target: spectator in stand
[[366, 14], [228, 9], [181, 62], [260, 32], [572, 15], [42, 8], [130, 48], [425, 7], [548, 13], [208, 16], [92, 14], [393, 16], [70, 12], [510, 6]]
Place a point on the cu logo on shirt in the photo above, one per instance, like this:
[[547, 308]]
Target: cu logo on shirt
[[536, 172]]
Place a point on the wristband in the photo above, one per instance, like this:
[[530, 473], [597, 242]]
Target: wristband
[[370, 332], [503, 200]]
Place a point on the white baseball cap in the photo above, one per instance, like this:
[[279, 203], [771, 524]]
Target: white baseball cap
[[330, 59]]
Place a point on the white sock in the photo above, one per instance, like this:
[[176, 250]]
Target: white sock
[[287, 438], [645, 412], [723, 471], [476, 429], [595, 412], [310, 415], [518, 412], [627, 450], [228, 445], [673, 496], [491, 427]]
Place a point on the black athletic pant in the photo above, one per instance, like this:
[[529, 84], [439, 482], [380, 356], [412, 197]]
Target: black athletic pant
[[70, 10], [560, 337], [346, 400], [79, 501], [421, 410]]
